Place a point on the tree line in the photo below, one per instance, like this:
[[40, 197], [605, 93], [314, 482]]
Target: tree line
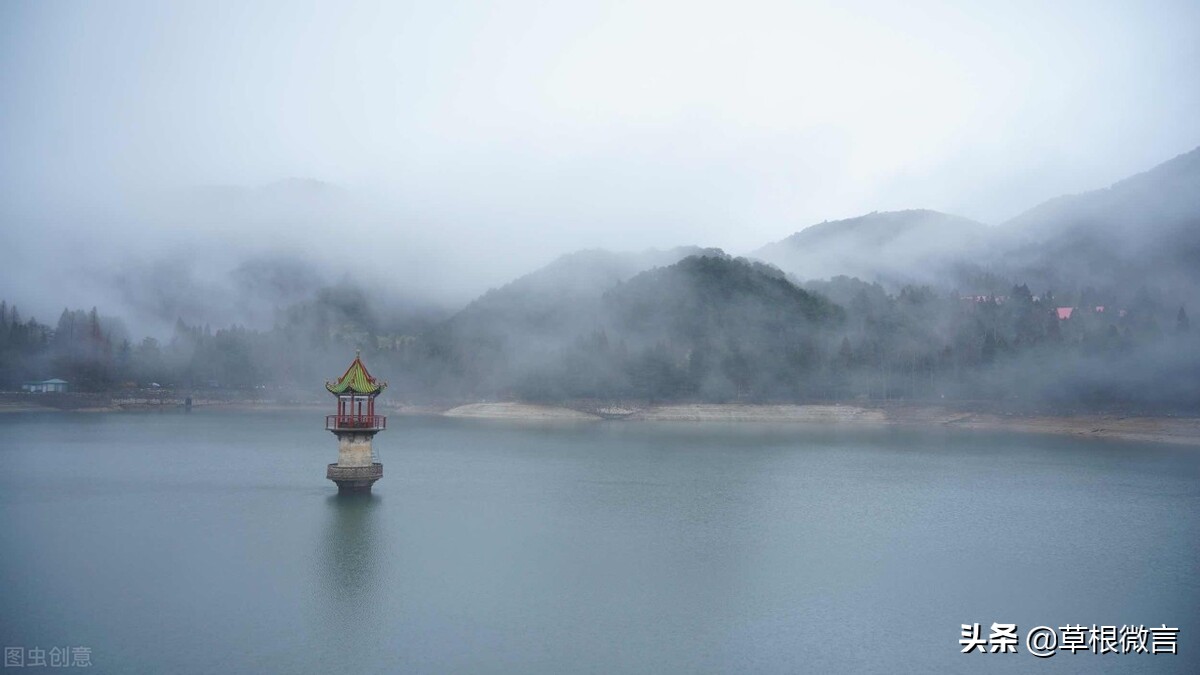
[[707, 328]]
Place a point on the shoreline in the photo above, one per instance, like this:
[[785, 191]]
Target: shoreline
[[1173, 430], [1115, 426]]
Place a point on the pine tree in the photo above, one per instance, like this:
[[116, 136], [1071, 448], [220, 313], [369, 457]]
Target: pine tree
[[845, 355]]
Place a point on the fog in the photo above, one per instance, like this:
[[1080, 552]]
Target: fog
[[605, 203], [440, 149]]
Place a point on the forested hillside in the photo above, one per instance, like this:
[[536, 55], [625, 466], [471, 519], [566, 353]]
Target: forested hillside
[[1081, 301]]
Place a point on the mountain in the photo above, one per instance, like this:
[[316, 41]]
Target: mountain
[[510, 327], [896, 246], [716, 300], [585, 326], [1144, 230], [1166, 194], [695, 324], [709, 327], [561, 294]]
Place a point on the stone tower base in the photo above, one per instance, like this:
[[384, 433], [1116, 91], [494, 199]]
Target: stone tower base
[[354, 478]]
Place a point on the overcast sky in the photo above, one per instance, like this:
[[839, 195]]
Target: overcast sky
[[463, 143]]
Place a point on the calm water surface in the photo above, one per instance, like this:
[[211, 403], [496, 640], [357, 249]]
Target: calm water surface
[[212, 543]]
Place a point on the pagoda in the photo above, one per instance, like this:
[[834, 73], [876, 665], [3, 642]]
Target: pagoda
[[355, 425]]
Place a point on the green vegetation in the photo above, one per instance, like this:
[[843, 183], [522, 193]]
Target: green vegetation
[[1078, 302], [706, 328]]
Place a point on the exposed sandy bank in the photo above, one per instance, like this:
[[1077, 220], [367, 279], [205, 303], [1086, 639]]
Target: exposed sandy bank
[[523, 411], [1179, 430], [741, 412], [1183, 430]]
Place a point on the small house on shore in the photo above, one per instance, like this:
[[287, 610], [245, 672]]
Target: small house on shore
[[46, 386]]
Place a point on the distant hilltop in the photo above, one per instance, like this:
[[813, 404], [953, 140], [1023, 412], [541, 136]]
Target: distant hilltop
[[1082, 302]]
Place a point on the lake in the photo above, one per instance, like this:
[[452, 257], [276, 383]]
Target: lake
[[211, 542]]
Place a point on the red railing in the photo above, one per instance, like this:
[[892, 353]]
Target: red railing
[[365, 422]]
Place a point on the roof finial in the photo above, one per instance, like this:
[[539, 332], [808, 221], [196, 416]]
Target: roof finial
[[357, 353]]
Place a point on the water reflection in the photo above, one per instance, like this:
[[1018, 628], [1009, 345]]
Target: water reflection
[[624, 548], [350, 560]]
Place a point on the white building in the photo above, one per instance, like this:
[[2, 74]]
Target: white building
[[45, 386]]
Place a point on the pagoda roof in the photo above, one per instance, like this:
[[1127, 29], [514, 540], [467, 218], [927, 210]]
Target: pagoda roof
[[356, 380]]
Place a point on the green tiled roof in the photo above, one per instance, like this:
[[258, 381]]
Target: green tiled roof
[[356, 380]]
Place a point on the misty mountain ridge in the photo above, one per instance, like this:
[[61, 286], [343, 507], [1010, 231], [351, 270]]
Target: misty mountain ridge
[[1143, 230], [715, 298], [1067, 245], [587, 271], [707, 325], [1164, 194], [895, 246], [553, 304], [689, 320], [889, 320]]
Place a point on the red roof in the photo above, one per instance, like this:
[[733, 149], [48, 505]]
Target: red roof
[[1065, 312]]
